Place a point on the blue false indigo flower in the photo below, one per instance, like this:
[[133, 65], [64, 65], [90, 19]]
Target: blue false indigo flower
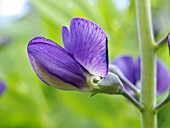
[[2, 87], [79, 65], [131, 70]]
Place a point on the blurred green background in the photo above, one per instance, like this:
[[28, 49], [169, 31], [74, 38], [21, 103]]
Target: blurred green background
[[29, 103]]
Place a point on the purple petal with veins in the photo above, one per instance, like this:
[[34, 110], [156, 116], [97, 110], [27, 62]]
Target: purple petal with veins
[[87, 42], [54, 65]]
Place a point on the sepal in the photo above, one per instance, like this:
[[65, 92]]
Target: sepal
[[110, 84]]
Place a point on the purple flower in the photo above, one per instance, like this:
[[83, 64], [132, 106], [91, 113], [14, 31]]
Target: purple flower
[[131, 69], [2, 87], [83, 59]]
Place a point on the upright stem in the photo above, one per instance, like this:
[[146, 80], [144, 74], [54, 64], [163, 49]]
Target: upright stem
[[148, 64]]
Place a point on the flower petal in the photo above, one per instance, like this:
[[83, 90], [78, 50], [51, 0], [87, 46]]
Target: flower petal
[[138, 69], [88, 45], [54, 65], [2, 87], [65, 36], [127, 65], [163, 76]]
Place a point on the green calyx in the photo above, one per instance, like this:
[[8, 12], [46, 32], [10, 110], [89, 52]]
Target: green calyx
[[110, 84]]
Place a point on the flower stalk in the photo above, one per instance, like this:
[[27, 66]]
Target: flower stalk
[[111, 84], [163, 103], [133, 101], [116, 71], [148, 64], [162, 42]]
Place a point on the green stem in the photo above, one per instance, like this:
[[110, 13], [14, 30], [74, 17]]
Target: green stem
[[148, 64]]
